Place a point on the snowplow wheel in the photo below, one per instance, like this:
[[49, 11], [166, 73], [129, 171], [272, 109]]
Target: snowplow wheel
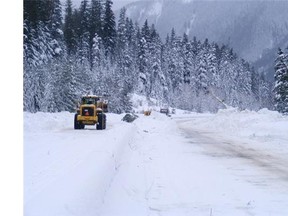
[[76, 123], [104, 121], [101, 122]]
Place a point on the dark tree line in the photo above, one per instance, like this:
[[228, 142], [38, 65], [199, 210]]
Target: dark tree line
[[88, 51]]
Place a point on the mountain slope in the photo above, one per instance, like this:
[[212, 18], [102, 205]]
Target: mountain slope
[[248, 26]]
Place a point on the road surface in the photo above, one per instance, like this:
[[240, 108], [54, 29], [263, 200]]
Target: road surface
[[172, 169]]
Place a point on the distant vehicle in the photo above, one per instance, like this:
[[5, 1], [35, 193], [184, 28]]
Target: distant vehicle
[[91, 112], [164, 110]]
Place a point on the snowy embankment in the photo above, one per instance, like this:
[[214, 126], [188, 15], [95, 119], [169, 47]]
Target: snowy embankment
[[67, 171], [265, 129], [187, 164]]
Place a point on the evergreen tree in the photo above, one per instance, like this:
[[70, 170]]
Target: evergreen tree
[[265, 93], [84, 36], [95, 31], [203, 76], [109, 29], [255, 83], [122, 40], [97, 52], [133, 52], [175, 66], [55, 28], [187, 58], [157, 79], [125, 98], [95, 25], [69, 30], [145, 32], [281, 82], [143, 66]]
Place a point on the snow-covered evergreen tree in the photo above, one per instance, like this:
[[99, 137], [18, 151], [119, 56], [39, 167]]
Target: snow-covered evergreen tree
[[265, 93], [109, 29], [95, 22], [94, 28], [281, 82], [187, 58], [175, 66], [157, 78], [56, 28], [69, 30]]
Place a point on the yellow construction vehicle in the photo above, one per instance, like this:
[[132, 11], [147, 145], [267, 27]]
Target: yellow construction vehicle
[[91, 111]]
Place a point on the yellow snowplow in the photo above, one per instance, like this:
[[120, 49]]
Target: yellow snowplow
[[91, 112]]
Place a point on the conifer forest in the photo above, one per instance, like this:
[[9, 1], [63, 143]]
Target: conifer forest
[[71, 51]]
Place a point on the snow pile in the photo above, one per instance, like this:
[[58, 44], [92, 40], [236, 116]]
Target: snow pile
[[46, 121], [262, 128]]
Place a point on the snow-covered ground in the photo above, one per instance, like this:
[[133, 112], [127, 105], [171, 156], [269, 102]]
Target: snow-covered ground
[[229, 163]]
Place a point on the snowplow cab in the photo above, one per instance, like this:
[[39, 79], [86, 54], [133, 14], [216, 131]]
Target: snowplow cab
[[96, 100], [91, 112]]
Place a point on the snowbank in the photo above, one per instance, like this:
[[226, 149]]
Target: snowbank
[[263, 128]]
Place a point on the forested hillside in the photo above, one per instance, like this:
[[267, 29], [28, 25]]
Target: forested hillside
[[249, 26], [89, 50]]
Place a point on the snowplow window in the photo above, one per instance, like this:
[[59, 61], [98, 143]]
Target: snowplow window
[[90, 100]]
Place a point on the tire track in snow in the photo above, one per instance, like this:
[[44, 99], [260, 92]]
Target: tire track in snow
[[227, 149]]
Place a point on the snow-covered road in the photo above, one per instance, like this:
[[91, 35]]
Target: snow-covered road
[[274, 164], [156, 166], [184, 172]]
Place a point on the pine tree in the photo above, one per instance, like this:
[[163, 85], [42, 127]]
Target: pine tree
[[265, 93], [97, 52], [122, 40], [175, 67], [145, 32], [281, 82], [84, 47], [124, 57], [69, 30], [255, 83], [109, 29], [143, 66], [95, 25], [195, 49], [157, 79], [38, 41], [187, 58], [205, 74], [143, 37], [56, 29], [125, 98], [132, 53]]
